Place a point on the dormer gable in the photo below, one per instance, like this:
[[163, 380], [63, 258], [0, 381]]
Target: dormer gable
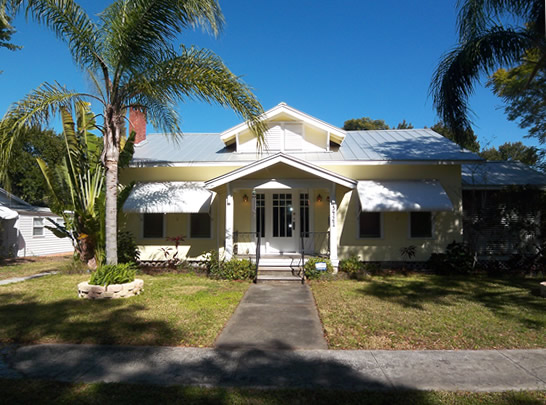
[[289, 130]]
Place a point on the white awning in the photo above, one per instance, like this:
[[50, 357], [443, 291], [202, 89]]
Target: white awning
[[388, 196], [7, 214], [169, 197]]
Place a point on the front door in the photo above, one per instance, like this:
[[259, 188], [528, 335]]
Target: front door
[[276, 219]]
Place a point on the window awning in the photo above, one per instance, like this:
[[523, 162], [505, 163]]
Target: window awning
[[408, 195], [7, 214], [169, 197]]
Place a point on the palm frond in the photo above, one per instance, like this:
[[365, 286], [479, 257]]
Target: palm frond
[[196, 74], [135, 30], [476, 16], [454, 79], [70, 23]]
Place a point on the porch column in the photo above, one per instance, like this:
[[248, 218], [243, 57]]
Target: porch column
[[333, 228], [229, 224]]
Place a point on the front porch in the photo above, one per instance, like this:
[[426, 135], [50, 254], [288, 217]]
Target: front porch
[[281, 209]]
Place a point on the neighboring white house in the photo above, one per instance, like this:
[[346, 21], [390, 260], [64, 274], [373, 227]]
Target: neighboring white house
[[23, 229]]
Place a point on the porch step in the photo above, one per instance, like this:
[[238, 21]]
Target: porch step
[[276, 278]]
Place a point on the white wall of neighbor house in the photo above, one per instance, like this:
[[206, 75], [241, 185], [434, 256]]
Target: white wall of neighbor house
[[30, 243]]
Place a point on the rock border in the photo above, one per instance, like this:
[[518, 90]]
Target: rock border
[[98, 292]]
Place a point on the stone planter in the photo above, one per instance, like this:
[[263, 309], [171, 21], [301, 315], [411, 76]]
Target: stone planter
[[543, 289], [97, 292]]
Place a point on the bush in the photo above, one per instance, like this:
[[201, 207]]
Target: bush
[[234, 269], [113, 274], [354, 268], [456, 260], [127, 248], [311, 271]]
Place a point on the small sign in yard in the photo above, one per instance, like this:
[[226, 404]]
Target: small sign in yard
[[320, 266]]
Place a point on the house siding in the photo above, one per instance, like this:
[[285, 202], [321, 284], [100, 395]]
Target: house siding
[[29, 245]]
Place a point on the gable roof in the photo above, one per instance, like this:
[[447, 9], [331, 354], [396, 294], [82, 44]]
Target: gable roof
[[416, 145], [499, 174], [337, 135], [276, 159]]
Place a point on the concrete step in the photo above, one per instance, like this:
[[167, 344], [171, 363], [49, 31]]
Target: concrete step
[[279, 271], [274, 279], [280, 261]]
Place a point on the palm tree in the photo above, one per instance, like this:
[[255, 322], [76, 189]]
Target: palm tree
[[129, 56], [485, 44]]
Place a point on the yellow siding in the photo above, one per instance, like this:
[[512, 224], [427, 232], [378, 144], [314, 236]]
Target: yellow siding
[[447, 225]]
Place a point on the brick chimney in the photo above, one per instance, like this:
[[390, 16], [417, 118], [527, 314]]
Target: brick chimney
[[137, 123]]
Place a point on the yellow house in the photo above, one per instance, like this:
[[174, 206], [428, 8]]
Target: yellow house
[[313, 187]]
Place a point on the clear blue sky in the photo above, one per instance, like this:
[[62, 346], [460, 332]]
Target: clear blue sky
[[335, 60]]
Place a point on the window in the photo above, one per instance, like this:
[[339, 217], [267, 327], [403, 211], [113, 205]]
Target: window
[[153, 226], [37, 227], [200, 225], [420, 224], [304, 215], [369, 225], [260, 214]]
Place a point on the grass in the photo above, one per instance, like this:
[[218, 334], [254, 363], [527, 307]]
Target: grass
[[175, 309], [27, 266], [43, 392], [432, 312]]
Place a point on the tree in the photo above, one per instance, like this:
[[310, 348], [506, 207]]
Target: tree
[[129, 56], [6, 31], [515, 151], [24, 178], [366, 123], [525, 98], [485, 44], [468, 141]]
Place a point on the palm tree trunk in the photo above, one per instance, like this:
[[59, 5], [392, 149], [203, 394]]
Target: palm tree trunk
[[111, 159]]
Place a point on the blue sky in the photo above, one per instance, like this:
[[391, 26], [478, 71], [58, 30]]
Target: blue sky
[[335, 60]]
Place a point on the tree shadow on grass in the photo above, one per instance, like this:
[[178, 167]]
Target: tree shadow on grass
[[23, 319], [511, 298]]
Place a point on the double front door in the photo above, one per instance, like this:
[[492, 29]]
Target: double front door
[[280, 219]]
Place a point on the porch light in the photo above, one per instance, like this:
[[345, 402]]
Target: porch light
[[245, 198], [319, 198]]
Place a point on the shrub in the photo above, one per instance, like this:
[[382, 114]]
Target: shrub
[[311, 271], [456, 260], [234, 269], [113, 274], [354, 268], [127, 248]]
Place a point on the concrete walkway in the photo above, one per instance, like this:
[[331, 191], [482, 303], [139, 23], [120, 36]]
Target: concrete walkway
[[19, 279], [274, 317], [481, 370]]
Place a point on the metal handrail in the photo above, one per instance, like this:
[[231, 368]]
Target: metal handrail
[[258, 254]]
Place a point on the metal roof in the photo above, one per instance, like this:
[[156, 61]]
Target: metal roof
[[385, 145], [500, 174]]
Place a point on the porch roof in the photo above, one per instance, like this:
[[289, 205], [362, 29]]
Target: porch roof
[[169, 197], [281, 158], [403, 195]]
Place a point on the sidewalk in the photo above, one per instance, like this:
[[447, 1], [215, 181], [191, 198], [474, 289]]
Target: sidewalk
[[481, 370]]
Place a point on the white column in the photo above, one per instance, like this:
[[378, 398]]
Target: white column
[[229, 224], [333, 228]]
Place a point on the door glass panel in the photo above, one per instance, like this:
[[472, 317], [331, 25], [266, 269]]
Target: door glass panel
[[260, 214], [304, 215], [282, 215]]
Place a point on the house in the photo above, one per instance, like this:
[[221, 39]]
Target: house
[[502, 204], [23, 229], [312, 187]]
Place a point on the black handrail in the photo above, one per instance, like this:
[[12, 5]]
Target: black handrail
[[258, 248]]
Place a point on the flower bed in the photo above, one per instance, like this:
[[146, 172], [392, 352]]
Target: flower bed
[[94, 292]]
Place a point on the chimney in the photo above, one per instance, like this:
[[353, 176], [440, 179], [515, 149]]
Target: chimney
[[137, 123]]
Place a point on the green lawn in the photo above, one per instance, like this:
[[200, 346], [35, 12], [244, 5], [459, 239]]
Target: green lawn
[[27, 266], [175, 309], [42, 392], [432, 312]]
